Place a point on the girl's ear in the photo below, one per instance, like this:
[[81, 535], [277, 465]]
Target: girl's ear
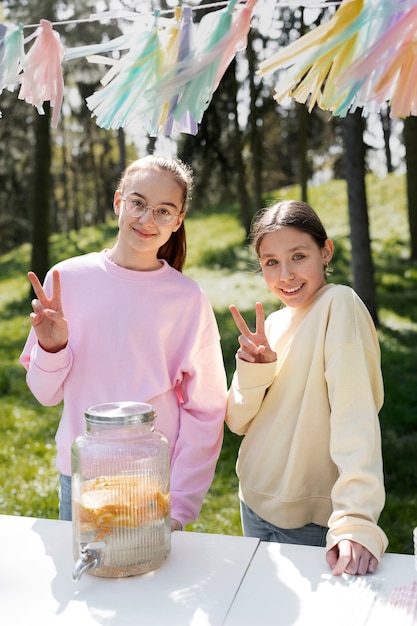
[[117, 200], [327, 251], [180, 220]]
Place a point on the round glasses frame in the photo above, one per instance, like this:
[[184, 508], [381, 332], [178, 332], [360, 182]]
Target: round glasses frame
[[161, 215]]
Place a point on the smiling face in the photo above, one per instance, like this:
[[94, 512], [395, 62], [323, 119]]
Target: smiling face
[[141, 237], [293, 265]]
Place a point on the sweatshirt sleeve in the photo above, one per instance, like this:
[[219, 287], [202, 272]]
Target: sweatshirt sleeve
[[355, 386], [249, 385], [46, 372], [200, 437]]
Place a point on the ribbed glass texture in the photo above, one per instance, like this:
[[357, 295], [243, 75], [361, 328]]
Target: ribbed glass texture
[[120, 490]]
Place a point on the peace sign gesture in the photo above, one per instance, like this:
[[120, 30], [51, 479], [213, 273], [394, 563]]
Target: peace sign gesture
[[254, 347], [48, 318]]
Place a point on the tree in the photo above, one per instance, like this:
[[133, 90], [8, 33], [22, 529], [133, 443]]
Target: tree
[[354, 160], [40, 204], [56, 178], [410, 141], [386, 129], [41, 197], [254, 126]]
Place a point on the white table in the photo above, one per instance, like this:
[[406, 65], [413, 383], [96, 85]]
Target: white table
[[207, 580], [290, 585], [194, 587]]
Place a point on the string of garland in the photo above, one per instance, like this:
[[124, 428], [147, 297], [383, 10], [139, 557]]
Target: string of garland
[[167, 71]]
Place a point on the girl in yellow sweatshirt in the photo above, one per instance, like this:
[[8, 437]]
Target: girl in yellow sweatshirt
[[306, 395]]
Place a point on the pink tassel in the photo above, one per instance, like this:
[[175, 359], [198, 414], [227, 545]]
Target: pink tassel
[[387, 69], [239, 30], [398, 82], [42, 78]]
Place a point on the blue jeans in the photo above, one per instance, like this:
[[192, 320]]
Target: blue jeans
[[65, 507], [255, 526]]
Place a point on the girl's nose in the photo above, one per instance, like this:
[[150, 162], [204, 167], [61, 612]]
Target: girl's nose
[[147, 215], [286, 272]]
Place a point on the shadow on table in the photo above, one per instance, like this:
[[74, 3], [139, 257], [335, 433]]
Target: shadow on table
[[174, 594]]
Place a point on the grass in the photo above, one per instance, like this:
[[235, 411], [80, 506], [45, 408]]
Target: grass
[[220, 260]]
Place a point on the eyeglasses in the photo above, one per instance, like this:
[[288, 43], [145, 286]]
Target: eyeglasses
[[161, 214]]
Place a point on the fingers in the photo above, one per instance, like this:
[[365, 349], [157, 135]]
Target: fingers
[[351, 558], [36, 284], [373, 565], [260, 318], [254, 346], [54, 302], [175, 524], [56, 287], [239, 321], [241, 324]]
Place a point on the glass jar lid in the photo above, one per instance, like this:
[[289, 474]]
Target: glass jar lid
[[120, 413]]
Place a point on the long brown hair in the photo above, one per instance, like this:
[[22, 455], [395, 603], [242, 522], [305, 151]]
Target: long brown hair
[[175, 249]]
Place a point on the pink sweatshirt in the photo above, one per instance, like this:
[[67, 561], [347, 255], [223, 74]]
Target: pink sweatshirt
[[137, 336]]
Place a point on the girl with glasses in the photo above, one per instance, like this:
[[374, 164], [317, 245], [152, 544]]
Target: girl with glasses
[[306, 395], [126, 324]]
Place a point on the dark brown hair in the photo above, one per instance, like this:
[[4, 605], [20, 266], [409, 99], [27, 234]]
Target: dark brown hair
[[175, 249], [294, 213]]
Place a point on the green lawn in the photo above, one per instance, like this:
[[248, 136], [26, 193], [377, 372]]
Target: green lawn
[[220, 260]]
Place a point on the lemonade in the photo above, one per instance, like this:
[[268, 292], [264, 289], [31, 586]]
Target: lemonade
[[129, 517]]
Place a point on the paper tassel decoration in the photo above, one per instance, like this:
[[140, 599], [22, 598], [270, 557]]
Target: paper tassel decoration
[[357, 59], [11, 58], [170, 52], [168, 69], [388, 69], [400, 79], [42, 78], [194, 80], [237, 41], [187, 123], [3, 31], [119, 43], [118, 103], [198, 78], [321, 54]]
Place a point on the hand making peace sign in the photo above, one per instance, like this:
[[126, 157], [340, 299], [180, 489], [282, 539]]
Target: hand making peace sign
[[48, 318], [254, 347]]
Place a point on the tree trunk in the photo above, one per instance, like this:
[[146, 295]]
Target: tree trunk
[[242, 190], [41, 184], [362, 265], [386, 129], [410, 141], [302, 113], [41, 195], [121, 138], [255, 133]]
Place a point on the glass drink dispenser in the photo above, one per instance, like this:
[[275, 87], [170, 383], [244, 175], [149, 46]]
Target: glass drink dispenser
[[120, 492]]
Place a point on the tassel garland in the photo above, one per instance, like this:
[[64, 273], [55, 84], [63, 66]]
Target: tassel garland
[[166, 72]]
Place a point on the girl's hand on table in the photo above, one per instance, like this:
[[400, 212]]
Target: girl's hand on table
[[351, 557]]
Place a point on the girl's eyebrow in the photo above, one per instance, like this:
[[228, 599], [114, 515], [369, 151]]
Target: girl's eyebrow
[[167, 203], [268, 255]]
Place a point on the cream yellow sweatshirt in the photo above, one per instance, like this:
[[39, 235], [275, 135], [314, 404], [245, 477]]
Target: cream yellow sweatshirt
[[311, 450]]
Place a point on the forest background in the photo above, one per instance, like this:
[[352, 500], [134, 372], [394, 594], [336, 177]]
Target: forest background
[[248, 152]]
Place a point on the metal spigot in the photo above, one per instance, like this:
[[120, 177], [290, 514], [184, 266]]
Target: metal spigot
[[89, 558]]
